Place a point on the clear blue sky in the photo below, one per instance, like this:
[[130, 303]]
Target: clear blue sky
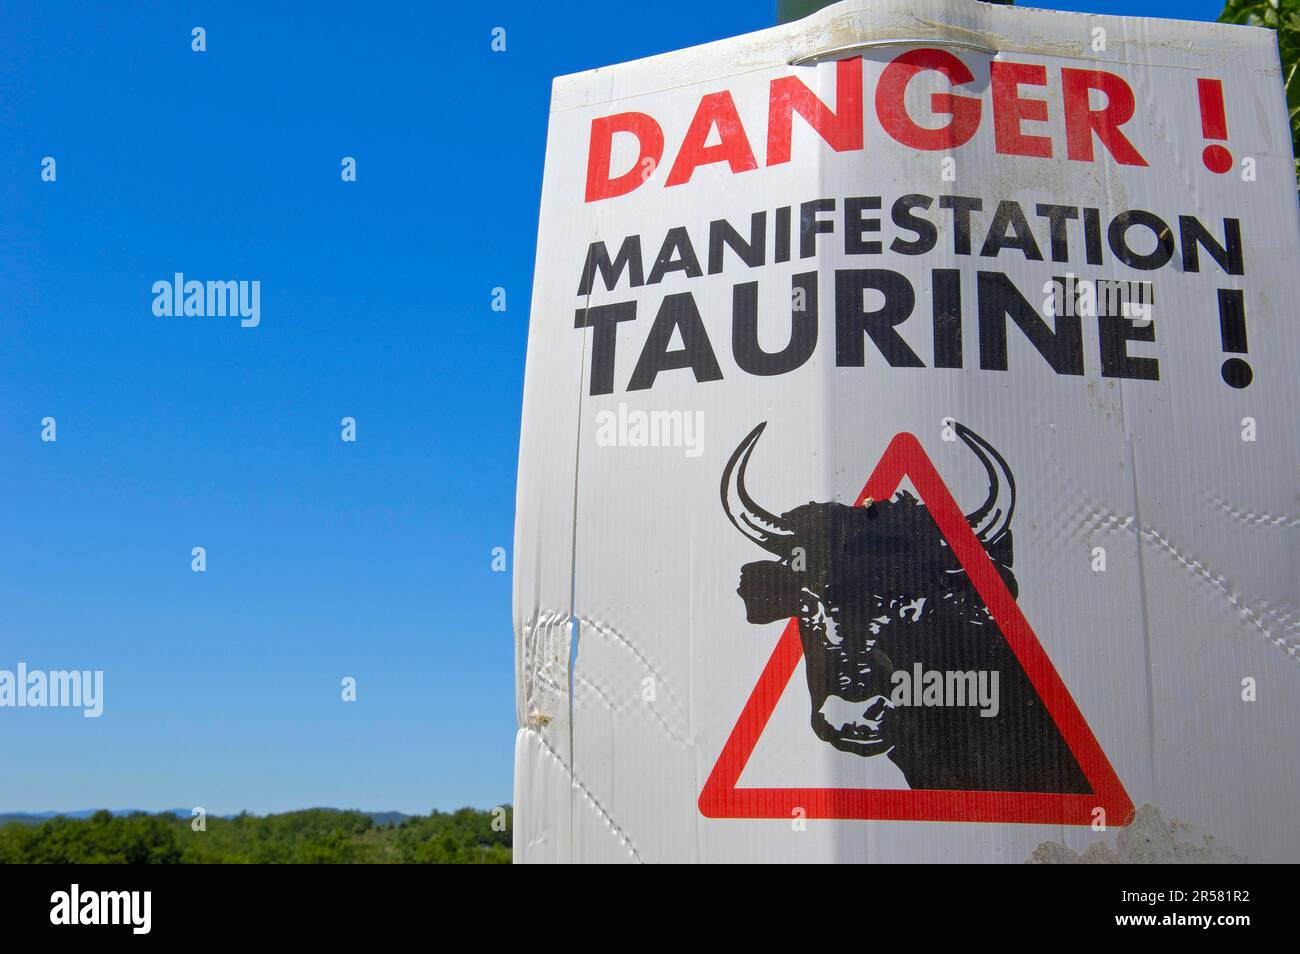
[[325, 559]]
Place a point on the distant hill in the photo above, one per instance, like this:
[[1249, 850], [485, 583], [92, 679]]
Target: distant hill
[[35, 818], [388, 818]]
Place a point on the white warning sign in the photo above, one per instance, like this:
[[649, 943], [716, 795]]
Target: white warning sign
[[909, 464]]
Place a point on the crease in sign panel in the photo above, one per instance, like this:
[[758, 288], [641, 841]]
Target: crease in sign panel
[[1058, 796]]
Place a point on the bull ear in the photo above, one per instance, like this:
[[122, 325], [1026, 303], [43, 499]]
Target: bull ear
[[992, 521], [770, 591]]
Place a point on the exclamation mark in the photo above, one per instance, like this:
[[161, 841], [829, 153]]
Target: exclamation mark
[[1214, 125], [1232, 331]]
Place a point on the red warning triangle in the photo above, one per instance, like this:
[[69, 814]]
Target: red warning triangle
[[720, 797]]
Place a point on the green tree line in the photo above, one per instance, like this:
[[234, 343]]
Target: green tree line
[[315, 836]]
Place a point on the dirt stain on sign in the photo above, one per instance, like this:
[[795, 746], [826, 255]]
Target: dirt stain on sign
[[1150, 839]]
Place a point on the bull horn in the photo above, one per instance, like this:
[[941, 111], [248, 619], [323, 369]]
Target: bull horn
[[993, 519], [748, 517]]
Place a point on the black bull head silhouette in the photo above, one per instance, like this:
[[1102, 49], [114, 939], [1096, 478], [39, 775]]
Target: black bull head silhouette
[[877, 591]]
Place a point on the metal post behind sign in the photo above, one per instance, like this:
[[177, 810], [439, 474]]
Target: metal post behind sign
[[787, 10]]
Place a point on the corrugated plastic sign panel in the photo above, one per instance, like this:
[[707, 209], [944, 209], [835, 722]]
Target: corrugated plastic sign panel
[[909, 457]]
